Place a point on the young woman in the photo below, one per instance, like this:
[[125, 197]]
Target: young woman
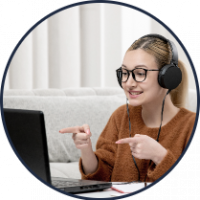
[[140, 157]]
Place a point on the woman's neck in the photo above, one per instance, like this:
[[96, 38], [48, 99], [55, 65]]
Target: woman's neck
[[151, 113]]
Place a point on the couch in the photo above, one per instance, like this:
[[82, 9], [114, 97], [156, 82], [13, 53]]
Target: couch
[[71, 107]]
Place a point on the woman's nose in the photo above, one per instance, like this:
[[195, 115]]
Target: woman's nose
[[131, 81]]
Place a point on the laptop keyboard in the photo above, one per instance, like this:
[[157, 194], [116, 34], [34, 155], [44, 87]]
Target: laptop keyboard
[[66, 183], [77, 185]]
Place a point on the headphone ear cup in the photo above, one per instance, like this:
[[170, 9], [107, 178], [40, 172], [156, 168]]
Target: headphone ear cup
[[119, 77], [170, 76]]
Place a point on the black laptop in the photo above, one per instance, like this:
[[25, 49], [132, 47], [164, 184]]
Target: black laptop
[[26, 129]]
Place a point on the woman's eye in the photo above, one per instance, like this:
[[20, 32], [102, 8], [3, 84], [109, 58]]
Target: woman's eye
[[125, 74], [140, 74]]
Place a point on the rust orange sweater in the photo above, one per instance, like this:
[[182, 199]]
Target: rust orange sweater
[[116, 162]]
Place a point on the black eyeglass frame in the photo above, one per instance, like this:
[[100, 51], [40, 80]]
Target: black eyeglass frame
[[133, 75]]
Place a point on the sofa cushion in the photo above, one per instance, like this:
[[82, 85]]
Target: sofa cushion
[[65, 170], [72, 107], [70, 91], [61, 112]]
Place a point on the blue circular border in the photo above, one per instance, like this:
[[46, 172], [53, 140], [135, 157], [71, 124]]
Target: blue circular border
[[121, 4]]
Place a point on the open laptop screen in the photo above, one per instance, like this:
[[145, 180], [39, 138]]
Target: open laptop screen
[[25, 128], [26, 131]]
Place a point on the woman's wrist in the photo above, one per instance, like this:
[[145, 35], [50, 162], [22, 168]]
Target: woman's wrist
[[160, 154], [89, 160], [88, 149]]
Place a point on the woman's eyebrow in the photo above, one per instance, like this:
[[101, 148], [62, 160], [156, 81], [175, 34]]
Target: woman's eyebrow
[[138, 66]]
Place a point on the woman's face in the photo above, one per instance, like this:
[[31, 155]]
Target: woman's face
[[148, 91]]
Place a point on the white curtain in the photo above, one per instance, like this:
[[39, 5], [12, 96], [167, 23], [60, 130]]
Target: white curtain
[[81, 47]]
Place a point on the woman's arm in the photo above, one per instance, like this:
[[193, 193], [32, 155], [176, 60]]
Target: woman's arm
[[89, 160], [145, 147], [81, 136], [98, 165], [155, 172]]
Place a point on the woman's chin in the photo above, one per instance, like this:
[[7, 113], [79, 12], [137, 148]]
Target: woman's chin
[[134, 102]]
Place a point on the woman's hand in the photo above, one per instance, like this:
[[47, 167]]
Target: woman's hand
[[81, 135], [145, 147]]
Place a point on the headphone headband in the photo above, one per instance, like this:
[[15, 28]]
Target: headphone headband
[[170, 75], [174, 59]]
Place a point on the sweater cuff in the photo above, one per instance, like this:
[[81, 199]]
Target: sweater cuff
[[101, 174], [160, 169]]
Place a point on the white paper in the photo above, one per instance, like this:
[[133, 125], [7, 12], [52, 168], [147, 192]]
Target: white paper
[[116, 195], [128, 188]]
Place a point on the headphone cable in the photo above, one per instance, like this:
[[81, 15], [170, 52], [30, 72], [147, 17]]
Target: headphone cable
[[130, 136], [156, 140], [132, 155], [163, 103]]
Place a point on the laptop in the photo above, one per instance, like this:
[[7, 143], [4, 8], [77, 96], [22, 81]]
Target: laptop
[[27, 135]]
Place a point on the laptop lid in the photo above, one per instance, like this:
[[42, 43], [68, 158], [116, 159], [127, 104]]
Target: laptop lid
[[27, 133], [26, 129]]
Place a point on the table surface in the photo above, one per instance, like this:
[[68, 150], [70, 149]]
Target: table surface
[[109, 192]]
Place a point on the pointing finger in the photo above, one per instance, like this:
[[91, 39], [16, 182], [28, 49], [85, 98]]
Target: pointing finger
[[133, 140], [126, 140], [75, 129], [123, 141]]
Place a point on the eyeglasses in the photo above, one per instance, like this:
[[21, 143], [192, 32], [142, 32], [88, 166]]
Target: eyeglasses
[[138, 74]]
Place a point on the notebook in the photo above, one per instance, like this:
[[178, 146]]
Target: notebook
[[27, 135]]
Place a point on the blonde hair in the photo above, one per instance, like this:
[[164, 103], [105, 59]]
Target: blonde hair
[[161, 50]]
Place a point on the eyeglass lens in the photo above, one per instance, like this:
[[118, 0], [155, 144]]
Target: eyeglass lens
[[138, 75]]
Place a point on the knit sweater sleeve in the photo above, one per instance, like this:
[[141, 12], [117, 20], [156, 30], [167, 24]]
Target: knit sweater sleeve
[[155, 172], [105, 153]]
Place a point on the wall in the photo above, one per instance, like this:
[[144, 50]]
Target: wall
[[81, 47]]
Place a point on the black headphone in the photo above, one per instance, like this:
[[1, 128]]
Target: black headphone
[[169, 76]]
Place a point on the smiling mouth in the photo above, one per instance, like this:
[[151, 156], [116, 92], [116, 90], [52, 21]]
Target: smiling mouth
[[135, 93]]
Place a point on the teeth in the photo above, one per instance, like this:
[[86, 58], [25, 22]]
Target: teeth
[[135, 93]]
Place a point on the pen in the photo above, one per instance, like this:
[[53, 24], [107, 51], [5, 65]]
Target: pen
[[113, 188]]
